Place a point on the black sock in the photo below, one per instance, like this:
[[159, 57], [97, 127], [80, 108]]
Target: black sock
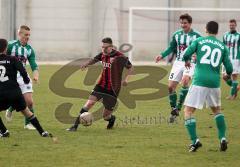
[[77, 121], [34, 121], [2, 126]]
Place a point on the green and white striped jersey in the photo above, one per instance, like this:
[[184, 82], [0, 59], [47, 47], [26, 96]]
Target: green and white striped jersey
[[232, 41], [179, 42], [23, 53]]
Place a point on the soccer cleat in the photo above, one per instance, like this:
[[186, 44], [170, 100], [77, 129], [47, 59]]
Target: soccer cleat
[[46, 134], [174, 115], [72, 129], [111, 122], [8, 116], [5, 134], [29, 127], [195, 146], [223, 145]]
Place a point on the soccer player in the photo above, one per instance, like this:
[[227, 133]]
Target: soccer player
[[205, 88], [232, 40], [181, 39], [24, 52], [10, 93], [108, 87]]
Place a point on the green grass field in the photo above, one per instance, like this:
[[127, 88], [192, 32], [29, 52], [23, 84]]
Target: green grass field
[[135, 141]]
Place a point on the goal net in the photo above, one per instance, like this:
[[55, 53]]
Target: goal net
[[150, 29]]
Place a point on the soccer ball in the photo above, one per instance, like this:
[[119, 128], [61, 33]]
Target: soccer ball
[[86, 119]]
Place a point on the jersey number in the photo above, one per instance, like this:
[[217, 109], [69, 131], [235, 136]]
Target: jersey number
[[215, 56], [3, 78]]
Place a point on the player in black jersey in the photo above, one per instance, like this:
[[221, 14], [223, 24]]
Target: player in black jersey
[[109, 85], [10, 93]]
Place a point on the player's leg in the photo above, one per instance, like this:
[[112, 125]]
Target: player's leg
[[172, 85], [34, 121], [174, 78], [109, 103], [88, 105], [214, 101], [234, 87], [183, 91], [186, 79], [221, 126], [3, 130], [18, 102], [195, 99], [29, 101], [8, 114]]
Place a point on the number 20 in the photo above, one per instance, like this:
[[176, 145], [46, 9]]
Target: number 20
[[212, 53]]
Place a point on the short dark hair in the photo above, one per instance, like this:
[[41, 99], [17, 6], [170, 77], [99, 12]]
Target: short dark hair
[[212, 27], [233, 21], [3, 45], [107, 40], [187, 17]]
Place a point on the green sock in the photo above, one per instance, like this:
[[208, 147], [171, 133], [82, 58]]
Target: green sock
[[10, 109], [190, 124], [173, 99], [221, 126], [234, 87], [182, 95], [229, 82], [27, 121]]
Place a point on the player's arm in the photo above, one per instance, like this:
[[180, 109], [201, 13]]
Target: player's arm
[[129, 72], [171, 48], [19, 67], [227, 63], [33, 65], [188, 52], [9, 49], [92, 61]]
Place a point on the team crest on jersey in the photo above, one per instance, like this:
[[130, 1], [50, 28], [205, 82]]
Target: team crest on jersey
[[106, 65]]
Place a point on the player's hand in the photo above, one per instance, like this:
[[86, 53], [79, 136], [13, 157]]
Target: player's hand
[[188, 64], [35, 76], [158, 58], [124, 83], [226, 77]]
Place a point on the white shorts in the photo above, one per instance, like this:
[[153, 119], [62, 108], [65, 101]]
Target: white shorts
[[179, 70], [197, 96], [236, 67], [25, 88]]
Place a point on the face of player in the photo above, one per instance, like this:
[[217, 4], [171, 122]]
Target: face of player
[[23, 36], [185, 25], [232, 26], [106, 48]]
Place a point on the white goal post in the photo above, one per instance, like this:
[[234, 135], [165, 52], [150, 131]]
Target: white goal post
[[132, 9]]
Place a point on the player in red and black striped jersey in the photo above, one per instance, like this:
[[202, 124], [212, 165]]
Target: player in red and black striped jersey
[[109, 84], [10, 92]]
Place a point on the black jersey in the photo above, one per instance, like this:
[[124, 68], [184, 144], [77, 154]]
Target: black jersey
[[9, 66]]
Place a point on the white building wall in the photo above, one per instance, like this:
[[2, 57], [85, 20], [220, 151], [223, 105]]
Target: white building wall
[[71, 29]]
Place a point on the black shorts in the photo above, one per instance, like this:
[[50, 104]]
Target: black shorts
[[12, 98], [109, 98]]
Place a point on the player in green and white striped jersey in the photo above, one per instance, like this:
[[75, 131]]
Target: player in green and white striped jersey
[[232, 40], [205, 88], [181, 39], [24, 52]]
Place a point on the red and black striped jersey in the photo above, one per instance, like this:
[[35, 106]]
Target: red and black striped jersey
[[112, 72]]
